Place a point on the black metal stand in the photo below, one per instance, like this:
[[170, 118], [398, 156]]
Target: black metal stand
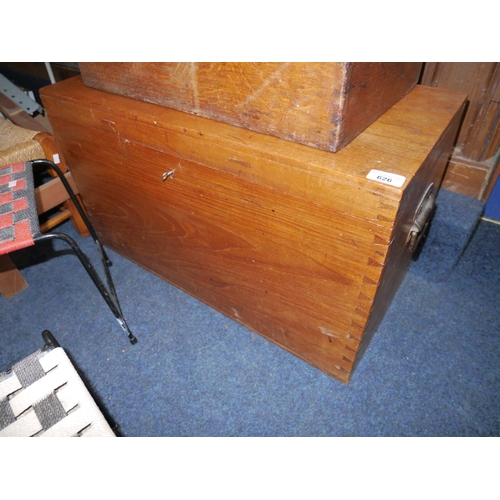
[[108, 292]]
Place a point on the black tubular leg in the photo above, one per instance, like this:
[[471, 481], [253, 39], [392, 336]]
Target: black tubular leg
[[74, 199], [50, 341], [109, 294]]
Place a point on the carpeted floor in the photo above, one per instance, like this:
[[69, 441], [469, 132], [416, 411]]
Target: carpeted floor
[[432, 369]]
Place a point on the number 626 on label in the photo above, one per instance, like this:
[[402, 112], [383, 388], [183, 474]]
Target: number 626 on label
[[386, 178]]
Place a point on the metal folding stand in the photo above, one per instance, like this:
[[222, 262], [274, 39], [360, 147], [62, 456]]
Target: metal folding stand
[[108, 292]]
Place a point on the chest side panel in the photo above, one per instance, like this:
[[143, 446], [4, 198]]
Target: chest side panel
[[398, 257]]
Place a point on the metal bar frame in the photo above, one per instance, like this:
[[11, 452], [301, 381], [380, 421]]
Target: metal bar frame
[[108, 292]]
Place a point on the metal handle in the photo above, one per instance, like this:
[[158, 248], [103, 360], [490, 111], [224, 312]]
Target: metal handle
[[421, 219]]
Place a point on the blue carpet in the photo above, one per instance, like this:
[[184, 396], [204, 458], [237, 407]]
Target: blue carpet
[[492, 207], [432, 369]]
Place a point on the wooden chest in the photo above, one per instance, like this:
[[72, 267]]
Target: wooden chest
[[324, 105], [303, 246]]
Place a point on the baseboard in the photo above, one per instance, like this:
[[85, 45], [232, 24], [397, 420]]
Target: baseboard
[[468, 177]]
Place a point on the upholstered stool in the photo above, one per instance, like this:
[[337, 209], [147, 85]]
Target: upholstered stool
[[44, 396], [24, 143]]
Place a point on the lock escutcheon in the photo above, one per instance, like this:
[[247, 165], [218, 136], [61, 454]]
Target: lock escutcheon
[[168, 175]]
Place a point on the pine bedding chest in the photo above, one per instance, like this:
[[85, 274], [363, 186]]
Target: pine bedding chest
[[303, 246]]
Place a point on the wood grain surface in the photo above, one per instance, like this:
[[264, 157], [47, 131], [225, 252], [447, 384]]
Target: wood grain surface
[[473, 167], [324, 105], [292, 241]]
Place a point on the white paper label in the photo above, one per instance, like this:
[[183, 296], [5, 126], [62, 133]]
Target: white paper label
[[56, 158], [386, 178]]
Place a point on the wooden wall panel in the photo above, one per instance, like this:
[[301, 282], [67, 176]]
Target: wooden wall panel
[[477, 150]]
